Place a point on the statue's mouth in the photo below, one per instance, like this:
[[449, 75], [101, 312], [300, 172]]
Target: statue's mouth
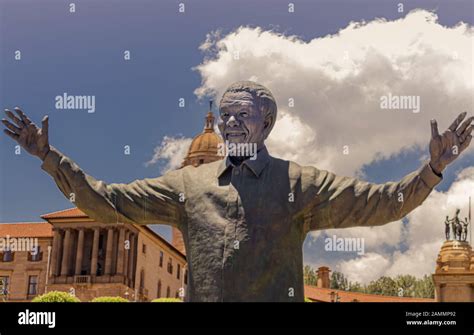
[[235, 135]]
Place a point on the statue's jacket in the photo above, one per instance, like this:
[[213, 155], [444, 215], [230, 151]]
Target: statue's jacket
[[244, 226]]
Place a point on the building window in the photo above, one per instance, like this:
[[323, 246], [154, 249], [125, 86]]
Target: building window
[[161, 258], [142, 278], [178, 273], [201, 161], [168, 292], [170, 266], [158, 291], [32, 285], [185, 277], [7, 256], [4, 282], [177, 294], [35, 255], [144, 248]]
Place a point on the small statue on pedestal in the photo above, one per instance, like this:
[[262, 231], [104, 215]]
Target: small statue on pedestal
[[458, 227]]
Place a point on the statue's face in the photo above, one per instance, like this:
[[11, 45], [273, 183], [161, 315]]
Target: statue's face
[[240, 119]]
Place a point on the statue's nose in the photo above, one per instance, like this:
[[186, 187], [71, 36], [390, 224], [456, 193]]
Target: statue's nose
[[232, 122]]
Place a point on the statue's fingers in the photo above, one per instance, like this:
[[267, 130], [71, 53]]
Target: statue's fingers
[[434, 129], [11, 134], [456, 122], [45, 125], [466, 133], [23, 116], [12, 116], [464, 125], [11, 126]]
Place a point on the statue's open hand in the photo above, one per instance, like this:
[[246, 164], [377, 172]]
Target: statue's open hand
[[446, 147], [32, 138]]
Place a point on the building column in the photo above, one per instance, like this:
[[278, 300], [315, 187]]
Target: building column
[[54, 256], [131, 258], [108, 254], [80, 252], [95, 251], [120, 251], [66, 253]]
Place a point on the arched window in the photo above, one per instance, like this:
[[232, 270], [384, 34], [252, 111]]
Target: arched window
[[161, 259], [170, 265], [158, 291], [142, 278]]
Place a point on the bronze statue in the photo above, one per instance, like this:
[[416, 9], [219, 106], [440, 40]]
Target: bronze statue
[[464, 230], [244, 219], [459, 227], [447, 228]]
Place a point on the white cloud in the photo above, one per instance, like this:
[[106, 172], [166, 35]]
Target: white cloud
[[336, 82], [172, 150], [364, 269], [418, 261]]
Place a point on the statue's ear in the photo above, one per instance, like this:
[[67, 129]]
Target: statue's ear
[[268, 123]]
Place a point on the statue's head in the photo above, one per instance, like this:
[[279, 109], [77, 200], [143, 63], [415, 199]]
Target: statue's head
[[247, 113], [457, 211]]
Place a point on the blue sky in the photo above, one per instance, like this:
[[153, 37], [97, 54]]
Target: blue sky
[[137, 100]]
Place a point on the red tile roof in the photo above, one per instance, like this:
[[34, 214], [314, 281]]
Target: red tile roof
[[26, 229], [65, 213], [324, 295]]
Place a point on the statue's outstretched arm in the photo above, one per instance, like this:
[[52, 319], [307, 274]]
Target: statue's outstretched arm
[[342, 202], [147, 201]]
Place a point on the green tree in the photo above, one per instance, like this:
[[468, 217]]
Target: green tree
[[109, 299], [401, 285], [167, 300], [424, 287], [56, 296], [356, 287], [310, 277], [406, 285], [384, 286], [339, 281]]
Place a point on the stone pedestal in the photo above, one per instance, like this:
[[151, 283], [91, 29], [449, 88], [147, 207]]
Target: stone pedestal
[[454, 275]]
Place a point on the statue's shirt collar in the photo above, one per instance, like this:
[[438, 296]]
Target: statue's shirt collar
[[256, 165]]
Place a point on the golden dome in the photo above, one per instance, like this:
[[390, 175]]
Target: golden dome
[[203, 148]]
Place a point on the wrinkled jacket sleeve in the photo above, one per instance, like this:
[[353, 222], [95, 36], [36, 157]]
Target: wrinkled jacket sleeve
[[147, 201], [331, 201]]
